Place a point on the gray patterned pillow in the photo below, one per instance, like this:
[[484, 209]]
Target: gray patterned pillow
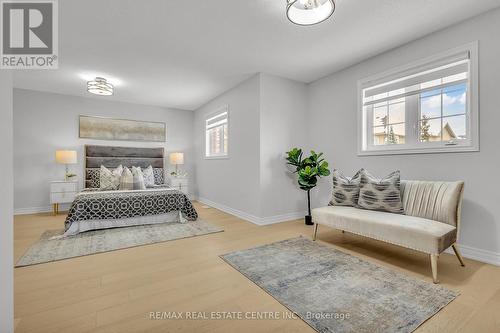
[[158, 175], [92, 179], [110, 180], [380, 194], [149, 177], [127, 180], [345, 190], [138, 178]]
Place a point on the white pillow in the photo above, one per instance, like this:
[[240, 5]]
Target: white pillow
[[138, 178], [127, 180], [109, 180], [149, 177]]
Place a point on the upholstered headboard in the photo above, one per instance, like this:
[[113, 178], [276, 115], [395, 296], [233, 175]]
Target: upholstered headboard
[[112, 157]]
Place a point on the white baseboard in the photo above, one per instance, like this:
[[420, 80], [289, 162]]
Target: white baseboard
[[282, 218], [252, 218], [229, 210], [37, 210], [473, 253], [32, 210]]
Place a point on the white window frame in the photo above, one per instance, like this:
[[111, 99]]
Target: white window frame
[[471, 144], [220, 110]]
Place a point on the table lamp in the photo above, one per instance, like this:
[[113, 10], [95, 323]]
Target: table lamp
[[66, 157], [177, 159]]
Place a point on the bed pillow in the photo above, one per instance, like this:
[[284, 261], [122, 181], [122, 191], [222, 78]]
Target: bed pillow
[[109, 180], [345, 190], [158, 174], [126, 180], [149, 177], [380, 194], [138, 179], [92, 179]]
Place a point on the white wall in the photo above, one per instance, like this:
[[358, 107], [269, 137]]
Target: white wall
[[45, 122], [6, 206], [283, 125], [266, 118], [232, 181], [332, 118]]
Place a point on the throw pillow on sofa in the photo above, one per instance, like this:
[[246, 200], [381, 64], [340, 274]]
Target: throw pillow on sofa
[[345, 190], [380, 194]]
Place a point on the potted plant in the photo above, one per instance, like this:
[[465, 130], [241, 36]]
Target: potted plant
[[308, 171], [70, 176]]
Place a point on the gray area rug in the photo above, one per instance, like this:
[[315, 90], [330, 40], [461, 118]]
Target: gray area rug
[[334, 291], [91, 242]]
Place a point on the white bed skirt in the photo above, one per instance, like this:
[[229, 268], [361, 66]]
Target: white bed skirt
[[82, 226]]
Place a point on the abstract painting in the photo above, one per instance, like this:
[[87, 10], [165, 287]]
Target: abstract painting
[[121, 129]]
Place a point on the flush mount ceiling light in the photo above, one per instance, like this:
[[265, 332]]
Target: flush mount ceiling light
[[99, 86], [309, 12]]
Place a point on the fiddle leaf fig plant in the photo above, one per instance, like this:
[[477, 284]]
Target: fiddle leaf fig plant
[[308, 170]]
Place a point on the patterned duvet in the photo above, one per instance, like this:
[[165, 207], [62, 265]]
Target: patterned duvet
[[105, 206]]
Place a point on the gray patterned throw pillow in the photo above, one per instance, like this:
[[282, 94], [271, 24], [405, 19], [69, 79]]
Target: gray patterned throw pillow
[[380, 194], [110, 180], [345, 190], [149, 177], [127, 180], [138, 178], [93, 177], [158, 175]]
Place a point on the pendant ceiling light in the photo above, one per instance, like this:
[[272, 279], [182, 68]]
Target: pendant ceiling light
[[100, 86], [309, 12]]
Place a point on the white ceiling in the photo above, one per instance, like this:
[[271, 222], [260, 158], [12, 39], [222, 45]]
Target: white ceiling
[[181, 54]]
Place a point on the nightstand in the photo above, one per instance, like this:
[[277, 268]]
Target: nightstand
[[62, 192], [180, 183]]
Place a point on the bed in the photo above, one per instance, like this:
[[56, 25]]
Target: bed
[[94, 209]]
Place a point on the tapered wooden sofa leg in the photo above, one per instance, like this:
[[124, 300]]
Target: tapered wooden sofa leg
[[315, 231], [434, 267], [458, 254]]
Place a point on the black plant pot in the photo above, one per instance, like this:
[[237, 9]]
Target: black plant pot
[[308, 218]]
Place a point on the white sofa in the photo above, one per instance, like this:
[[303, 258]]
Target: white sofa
[[430, 224]]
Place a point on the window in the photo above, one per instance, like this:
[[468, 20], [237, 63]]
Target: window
[[429, 106], [217, 134]]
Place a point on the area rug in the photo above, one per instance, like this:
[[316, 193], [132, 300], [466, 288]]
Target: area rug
[[98, 241], [333, 291]]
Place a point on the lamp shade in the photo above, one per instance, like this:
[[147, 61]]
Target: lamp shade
[[176, 158], [66, 156]]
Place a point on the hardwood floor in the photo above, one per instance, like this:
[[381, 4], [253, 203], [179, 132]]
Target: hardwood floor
[[116, 291]]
